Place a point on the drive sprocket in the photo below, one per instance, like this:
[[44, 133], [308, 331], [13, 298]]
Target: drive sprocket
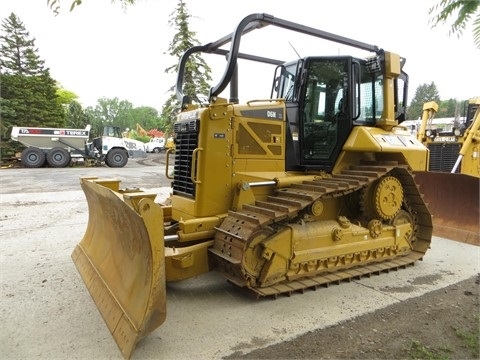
[[388, 197]]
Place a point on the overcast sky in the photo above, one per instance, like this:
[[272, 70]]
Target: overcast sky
[[101, 50]]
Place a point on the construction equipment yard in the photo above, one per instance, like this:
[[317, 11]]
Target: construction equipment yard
[[48, 314], [306, 213]]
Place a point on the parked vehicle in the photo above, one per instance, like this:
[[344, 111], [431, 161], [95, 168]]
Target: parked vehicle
[[451, 184], [57, 146], [155, 145]]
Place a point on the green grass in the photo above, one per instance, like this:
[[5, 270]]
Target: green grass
[[420, 351], [470, 339]]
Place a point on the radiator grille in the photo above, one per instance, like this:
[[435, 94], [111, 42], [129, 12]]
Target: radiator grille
[[443, 156], [186, 140]]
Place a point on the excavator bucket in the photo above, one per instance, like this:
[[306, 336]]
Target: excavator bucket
[[453, 200], [121, 260]]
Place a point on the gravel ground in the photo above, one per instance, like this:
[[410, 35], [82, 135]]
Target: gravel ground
[[47, 312]]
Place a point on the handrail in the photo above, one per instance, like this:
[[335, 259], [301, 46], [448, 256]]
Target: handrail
[[167, 162], [193, 172]]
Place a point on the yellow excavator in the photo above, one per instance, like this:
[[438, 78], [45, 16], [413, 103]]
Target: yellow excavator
[[311, 185], [453, 175]]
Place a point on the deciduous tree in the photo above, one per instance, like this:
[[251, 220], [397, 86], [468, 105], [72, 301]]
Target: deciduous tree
[[55, 4], [148, 117], [461, 12], [448, 108], [121, 113], [65, 97]]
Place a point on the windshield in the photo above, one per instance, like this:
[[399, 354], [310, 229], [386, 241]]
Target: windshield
[[284, 83]]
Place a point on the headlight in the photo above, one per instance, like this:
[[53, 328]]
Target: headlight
[[457, 132], [428, 133]]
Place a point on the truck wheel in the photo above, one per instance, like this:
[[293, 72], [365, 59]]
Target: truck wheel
[[58, 157], [116, 158], [156, 150], [33, 157]]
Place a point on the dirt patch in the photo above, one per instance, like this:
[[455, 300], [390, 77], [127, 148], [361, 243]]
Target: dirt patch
[[443, 324]]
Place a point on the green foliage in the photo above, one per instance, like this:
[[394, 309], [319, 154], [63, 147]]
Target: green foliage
[[197, 76], [55, 4], [197, 72], [65, 97], [448, 108], [148, 117], [419, 351], [77, 118], [28, 93], [471, 339], [18, 53], [170, 110], [462, 12], [122, 113], [423, 94], [142, 138]]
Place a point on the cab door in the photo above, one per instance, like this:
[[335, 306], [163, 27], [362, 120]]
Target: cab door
[[325, 117]]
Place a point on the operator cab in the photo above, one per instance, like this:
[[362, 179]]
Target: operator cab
[[99, 144], [325, 98]]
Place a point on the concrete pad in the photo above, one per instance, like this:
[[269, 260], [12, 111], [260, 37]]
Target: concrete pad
[[47, 312], [216, 319]]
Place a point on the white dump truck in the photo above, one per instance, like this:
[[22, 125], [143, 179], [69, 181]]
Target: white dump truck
[[57, 146]]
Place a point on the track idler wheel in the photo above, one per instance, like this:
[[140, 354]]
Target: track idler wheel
[[404, 217], [255, 257]]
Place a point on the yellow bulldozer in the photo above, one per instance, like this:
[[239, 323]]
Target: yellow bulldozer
[[451, 184], [311, 185]]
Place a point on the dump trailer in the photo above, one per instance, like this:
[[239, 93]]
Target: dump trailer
[[311, 185], [451, 184], [57, 146]]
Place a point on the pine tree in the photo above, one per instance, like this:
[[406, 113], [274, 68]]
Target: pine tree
[[197, 72], [76, 116], [423, 94], [28, 92]]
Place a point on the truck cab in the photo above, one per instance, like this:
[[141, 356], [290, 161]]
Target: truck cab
[[155, 145], [110, 147]]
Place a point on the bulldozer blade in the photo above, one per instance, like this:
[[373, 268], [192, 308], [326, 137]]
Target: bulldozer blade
[[121, 260], [453, 200]]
